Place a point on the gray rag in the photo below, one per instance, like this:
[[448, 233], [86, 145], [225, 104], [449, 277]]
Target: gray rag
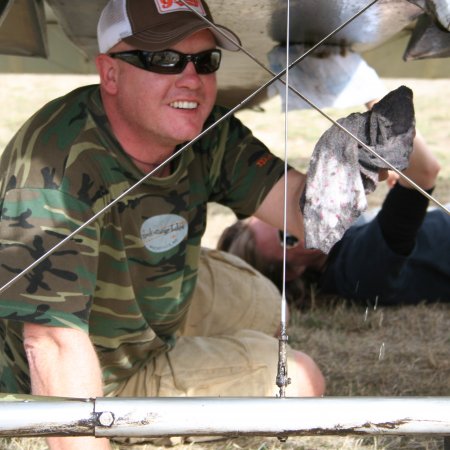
[[341, 171]]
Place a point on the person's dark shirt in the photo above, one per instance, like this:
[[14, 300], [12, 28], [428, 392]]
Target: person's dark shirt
[[401, 256]]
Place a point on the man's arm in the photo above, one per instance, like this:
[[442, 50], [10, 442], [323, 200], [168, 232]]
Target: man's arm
[[404, 208], [271, 209], [63, 362], [423, 166]]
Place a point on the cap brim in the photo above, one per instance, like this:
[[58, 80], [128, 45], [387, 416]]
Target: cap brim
[[226, 39]]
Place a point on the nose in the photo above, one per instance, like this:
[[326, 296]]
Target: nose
[[189, 77]]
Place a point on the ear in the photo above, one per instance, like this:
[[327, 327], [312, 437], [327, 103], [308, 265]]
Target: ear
[[108, 70]]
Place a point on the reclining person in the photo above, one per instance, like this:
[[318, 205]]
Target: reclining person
[[401, 256]]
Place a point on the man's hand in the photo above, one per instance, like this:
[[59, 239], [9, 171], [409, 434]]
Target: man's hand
[[392, 178], [383, 174]]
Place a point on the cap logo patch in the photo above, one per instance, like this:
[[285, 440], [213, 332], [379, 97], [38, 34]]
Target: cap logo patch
[[168, 6]]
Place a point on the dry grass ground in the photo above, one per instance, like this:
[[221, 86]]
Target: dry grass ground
[[402, 351]]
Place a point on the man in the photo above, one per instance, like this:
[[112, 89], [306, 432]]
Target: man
[[101, 315], [399, 257]]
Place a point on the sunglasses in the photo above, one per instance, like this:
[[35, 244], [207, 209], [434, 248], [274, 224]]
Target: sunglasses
[[171, 61], [291, 241]]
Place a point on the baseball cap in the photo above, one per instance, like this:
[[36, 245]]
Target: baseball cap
[[156, 24]]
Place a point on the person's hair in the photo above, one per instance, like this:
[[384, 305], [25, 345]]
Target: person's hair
[[239, 240]]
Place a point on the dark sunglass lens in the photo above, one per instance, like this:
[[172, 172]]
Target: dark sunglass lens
[[208, 62], [166, 59], [165, 62]]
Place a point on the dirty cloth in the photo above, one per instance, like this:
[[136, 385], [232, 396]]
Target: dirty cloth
[[342, 172]]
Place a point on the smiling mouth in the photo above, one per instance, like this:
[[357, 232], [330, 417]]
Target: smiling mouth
[[184, 105]]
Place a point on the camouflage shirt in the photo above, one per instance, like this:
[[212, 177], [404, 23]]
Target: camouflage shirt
[[127, 277]]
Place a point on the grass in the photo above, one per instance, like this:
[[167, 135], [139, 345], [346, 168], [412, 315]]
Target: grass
[[363, 351]]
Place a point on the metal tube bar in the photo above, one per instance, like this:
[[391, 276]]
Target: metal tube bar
[[274, 416], [153, 417], [47, 417]]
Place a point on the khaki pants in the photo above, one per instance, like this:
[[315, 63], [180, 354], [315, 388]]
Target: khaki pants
[[226, 346]]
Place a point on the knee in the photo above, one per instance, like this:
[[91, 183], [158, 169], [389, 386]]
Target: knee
[[306, 378]]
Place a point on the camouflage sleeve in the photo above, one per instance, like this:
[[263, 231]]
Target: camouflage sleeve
[[244, 169], [58, 291]]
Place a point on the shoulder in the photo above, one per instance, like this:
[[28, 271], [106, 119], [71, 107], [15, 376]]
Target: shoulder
[[52, 144], [56, 122], [67, 112]]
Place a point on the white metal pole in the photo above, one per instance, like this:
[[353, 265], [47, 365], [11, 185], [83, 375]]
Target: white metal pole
[[46, 417], [275, 416], [152, 417]]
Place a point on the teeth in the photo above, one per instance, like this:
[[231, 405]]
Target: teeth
[[184, 105]]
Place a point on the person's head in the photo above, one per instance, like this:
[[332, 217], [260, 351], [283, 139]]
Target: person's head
[[157, 67], [261, 245]]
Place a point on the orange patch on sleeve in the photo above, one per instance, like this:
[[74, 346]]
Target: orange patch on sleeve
[[264, 160]]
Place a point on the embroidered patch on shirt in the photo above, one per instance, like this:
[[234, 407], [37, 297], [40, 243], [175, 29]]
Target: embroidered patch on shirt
[[164, 232], [168, 6]]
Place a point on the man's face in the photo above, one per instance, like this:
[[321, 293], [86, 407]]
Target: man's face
[[298, 258], [164, 109]]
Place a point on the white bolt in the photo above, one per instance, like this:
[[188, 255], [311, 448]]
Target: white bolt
[[106, 418]]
